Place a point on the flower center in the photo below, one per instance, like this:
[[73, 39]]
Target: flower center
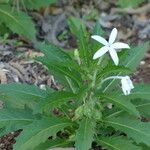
[[109, 45]]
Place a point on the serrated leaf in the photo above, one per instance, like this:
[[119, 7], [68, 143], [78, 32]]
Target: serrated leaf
[[131, 59], [126, 105], [84, 135], [141, 105], [140, 91], [19, 95], [14, 116], [13, 119], [39, 131], [52, 52], [54, 143], [56, 99], [117, 143], [135, 129], [19, 23], [57, 68]]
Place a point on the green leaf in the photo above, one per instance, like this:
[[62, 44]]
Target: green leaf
[[54, 143], [56, 99], [135, 129], [141, 91], [19, 23], [109, 70], [84, 135], [19, 95], [53, 52], [126, 105], [39, 131], [97, 30], [14, 116], [144, 108], [144, 147], [13, 119], [78, 28], [36, 4], [129, 3], [130, 59], [59, 69], [141, 105], [117, 143]]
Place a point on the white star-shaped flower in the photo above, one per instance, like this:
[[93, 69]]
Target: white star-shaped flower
[[109, 46], [127, 85]]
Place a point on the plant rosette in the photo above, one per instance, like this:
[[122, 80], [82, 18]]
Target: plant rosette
[[93, 107]]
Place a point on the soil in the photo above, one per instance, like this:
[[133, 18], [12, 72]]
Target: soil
[[17, 65]]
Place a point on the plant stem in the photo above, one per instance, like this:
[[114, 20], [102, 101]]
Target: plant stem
[[95, 72], [70, 84]]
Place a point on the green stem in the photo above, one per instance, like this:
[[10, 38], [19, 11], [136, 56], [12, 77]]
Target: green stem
[[95, 72], [70, 84]]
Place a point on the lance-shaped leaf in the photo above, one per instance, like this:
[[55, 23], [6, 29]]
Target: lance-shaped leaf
[[52, 52], [131, 59], [126, 105], [143, 106], [19, 95], [78, 28], [135, 129], [140, 96], [14, 119], [14, 116], [97, 30], [19, 23], [57, 68], [54, 143], [39, 131], [117, 143], [56, 99], [112, 70], [141, 91], [84, 135]]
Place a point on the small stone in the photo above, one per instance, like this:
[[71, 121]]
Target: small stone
[[142, 63]]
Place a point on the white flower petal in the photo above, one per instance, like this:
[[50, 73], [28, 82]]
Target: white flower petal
[[130, 83], [125, 92], [100, 52], [127, 85], [113, 36], [119, 45], [114, 56], [99, 39]]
